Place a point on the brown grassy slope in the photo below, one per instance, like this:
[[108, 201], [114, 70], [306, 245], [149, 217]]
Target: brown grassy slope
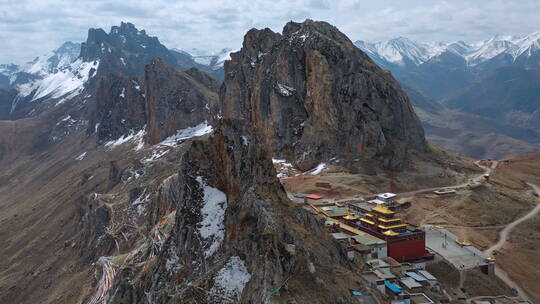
[[39, 196], [519, 257], [41, 185]]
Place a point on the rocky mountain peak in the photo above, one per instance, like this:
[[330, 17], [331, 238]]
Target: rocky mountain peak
[[316, 96], [311, 26], [126, 28], [124, 49], [91, 49]]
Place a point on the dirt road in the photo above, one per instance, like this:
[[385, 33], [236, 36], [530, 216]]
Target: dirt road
[[503, 238], [477, 179], [503, 235]]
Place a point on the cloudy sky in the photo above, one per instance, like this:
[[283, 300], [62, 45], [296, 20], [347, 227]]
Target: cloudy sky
[[32, 27]]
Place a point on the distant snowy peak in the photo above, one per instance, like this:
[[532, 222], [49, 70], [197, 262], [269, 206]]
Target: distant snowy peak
[[41, 66], [223, 56], [54, 60], [66, 82], [56, 74], [214, 60], [488, 50], [402, 51], [527, 45]]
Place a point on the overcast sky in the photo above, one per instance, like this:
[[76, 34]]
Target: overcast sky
[[32, 27]]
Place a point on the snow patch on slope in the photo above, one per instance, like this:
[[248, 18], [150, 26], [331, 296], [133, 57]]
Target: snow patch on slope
[[187, 133], [81, 157], [131, 136], [317, 169], [213, 214], [232, 278], [285, 90]]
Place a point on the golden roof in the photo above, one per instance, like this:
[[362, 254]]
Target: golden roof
[[350, 217], [382, 210], [367, 221], [390, 233], [393, 226], [389, 220]]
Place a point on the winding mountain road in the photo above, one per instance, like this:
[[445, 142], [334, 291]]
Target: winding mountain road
[[477, 179], [503, 238], [503, 235]]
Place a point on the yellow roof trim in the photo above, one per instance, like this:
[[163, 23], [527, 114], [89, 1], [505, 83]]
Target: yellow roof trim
[[389, 220], [370, 215], [350, 217], [390, 233], [393, 226], [367, 221], [382, 210]]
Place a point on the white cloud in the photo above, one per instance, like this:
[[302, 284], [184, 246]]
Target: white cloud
[[31, 27]]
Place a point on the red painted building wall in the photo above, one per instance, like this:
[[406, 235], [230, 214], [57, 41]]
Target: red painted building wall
[[404, 249]]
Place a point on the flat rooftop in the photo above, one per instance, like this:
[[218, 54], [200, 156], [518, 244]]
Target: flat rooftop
[[364, 205], [386, 195], [461, 257]]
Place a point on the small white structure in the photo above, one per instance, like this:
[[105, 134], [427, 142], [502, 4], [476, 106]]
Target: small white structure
[[388, 198]]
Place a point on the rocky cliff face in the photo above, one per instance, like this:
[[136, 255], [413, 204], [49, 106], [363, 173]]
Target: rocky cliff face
[[162, 102], [119, 107], [175, 100], [315, 96]]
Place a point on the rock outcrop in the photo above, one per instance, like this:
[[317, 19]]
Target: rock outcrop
[[175, 100], [236, 236], [315, 96], [119, 107], [162, 102]]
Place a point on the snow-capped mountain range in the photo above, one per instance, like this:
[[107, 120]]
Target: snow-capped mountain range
[[59, 73], [43, 65], [53, 61], [64, 73], [212, 59], [405, 52]]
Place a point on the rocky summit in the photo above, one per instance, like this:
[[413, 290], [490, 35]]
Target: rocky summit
[[315, 96], [124, 49]]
